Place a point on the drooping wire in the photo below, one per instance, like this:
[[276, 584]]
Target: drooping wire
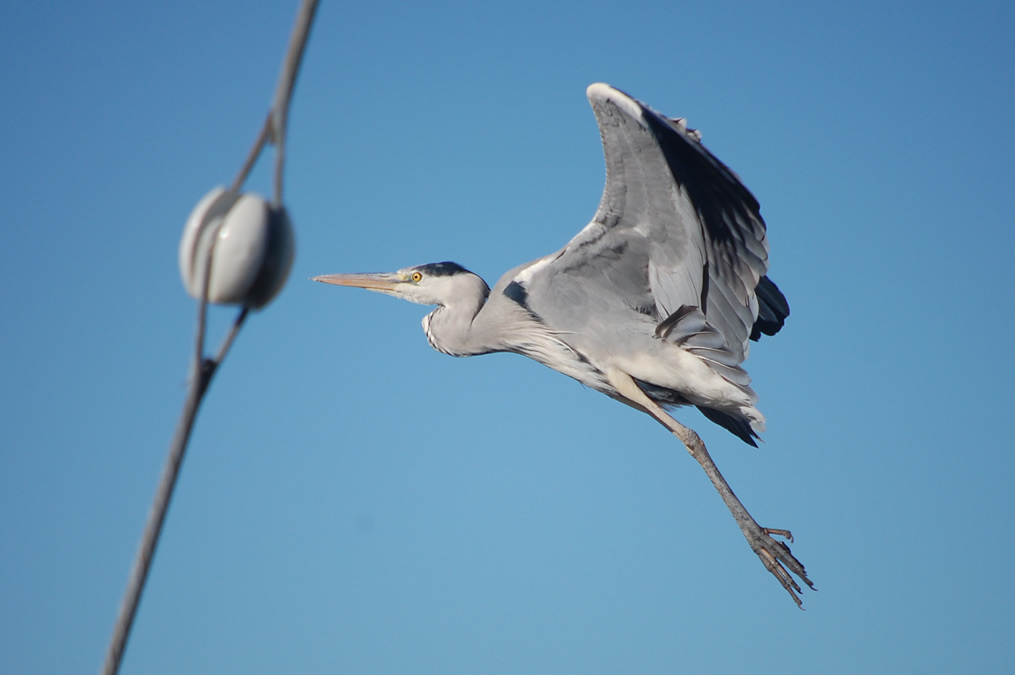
[[202, 368]]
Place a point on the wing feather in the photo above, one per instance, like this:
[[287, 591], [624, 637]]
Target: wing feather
[[674, 224]]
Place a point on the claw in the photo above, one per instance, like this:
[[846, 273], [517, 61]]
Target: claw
[[776, 557], [785, 534]]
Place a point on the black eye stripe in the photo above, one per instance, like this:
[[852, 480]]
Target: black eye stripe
[[441, 269]]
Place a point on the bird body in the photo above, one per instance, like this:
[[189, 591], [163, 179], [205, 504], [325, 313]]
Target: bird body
[[653, 303]]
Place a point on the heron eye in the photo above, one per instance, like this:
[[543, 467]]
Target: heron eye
[[416, 277]]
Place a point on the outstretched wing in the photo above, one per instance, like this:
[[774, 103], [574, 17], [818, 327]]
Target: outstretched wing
[[675, 228]]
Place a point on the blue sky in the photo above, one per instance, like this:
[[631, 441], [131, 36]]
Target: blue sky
[[353, 501]]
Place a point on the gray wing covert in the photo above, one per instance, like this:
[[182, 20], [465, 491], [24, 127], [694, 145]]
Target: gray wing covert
[[675, 227]]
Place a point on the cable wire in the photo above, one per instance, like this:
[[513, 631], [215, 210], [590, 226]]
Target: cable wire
[[203, 369]]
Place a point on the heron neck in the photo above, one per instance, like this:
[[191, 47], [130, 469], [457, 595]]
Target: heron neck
[[457, 329]]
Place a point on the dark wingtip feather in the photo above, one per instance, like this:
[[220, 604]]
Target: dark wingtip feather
[[772, 309], [736, 426]]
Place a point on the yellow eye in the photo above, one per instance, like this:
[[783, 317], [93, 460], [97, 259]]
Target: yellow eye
[[416, 277]]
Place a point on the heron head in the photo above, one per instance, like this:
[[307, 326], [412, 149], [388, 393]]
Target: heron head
[[432, 284]]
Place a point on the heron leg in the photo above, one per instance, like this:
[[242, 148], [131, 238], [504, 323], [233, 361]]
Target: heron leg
[[775, 555]]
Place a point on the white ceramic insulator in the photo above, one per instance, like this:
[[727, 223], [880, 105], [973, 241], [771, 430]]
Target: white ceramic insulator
[[249, 244]]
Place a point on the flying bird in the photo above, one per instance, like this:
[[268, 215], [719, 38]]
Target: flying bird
[[653, 303]]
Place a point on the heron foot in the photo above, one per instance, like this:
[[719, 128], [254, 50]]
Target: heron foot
[[777, 559]]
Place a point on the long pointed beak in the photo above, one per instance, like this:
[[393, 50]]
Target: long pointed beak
[[373, 282]]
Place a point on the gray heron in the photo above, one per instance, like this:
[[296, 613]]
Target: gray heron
[[653, 303]]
